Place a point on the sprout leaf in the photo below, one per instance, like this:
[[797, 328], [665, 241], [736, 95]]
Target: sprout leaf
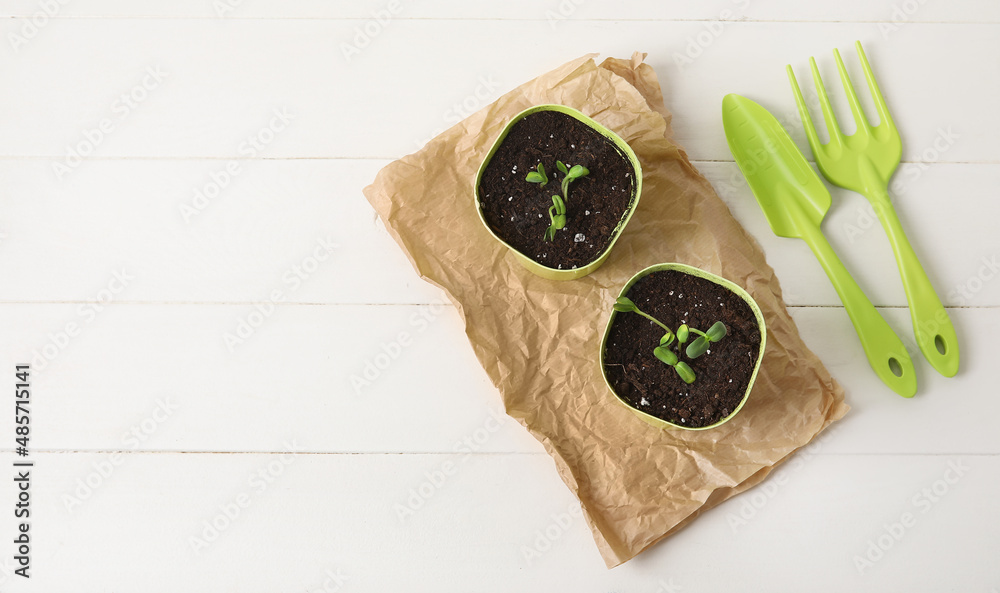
[[684, 372], [666, 355], [624, 305], [716, 332], [697, 347]]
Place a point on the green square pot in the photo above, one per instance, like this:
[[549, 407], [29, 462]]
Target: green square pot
[[524, 260], [734, 288]]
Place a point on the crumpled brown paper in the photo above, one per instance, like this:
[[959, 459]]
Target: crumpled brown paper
[[538, 339]]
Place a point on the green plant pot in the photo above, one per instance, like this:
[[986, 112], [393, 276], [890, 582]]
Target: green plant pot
[[527, 262], [659, 422]]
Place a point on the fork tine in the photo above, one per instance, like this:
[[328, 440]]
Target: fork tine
[[852, 97], [824, 101], [807, 122], [880, 106]]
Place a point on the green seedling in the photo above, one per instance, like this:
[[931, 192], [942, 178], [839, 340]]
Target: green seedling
[[557, 214], [664, 352], [537, 176], [557, 211], [569, 174], [705, 340]]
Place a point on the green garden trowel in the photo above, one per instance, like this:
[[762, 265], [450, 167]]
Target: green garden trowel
[[794, 201]]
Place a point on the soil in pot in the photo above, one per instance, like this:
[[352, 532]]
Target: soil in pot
[[518, 211], [722, 374]]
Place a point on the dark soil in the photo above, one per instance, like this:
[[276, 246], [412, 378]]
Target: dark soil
[[722, 374], [518, 211]]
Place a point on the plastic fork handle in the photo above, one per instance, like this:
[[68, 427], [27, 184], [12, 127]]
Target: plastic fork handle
[[882, 346], [932, 327]]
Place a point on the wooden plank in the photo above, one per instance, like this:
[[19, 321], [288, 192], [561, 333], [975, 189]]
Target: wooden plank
[[265, 224], [488, 523], [963, 272], [388, 379], [149, 428], [338, 101], [888, 11], [202, 230], [882, 422], [224, 378]]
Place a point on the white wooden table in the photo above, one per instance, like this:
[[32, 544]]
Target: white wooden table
[[170, 170]]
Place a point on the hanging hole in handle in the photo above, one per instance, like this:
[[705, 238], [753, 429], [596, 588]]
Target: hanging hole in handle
[[895, 367], [942, 348]]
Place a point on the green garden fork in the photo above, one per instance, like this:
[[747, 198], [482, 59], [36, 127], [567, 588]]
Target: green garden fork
[[864, 162]]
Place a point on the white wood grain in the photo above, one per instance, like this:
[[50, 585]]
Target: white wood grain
[[882, 422], [168, 424], [266, 221], [62, 241], [933, 202], [888, 11], [340, 378], [294, 377], [476, 531], [410, 81]]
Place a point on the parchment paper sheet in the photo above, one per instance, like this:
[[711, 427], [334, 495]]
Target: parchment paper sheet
[[538, 339]]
